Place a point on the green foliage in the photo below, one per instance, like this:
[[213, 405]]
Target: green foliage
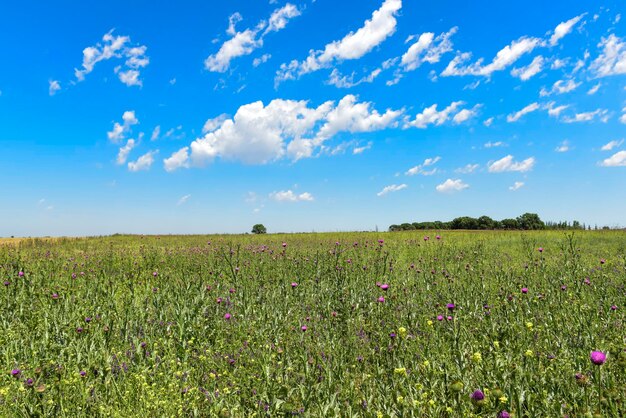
[[259, 229], [145, 320]]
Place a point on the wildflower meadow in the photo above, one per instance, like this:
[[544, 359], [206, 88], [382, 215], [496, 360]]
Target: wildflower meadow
[[405, 324]]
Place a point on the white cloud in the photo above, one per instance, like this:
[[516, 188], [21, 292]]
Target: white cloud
[[430, 115], [514, 117], [420, 169], [391, 188], [260, 60], [427, 48], [532, 69], [113, 46], [344, 81], [183, 200], [563, 29], [469, 168], [465, 115], [560, 87], [507, 164], [155, 133], [594, 89], [616, 160], [612, 144], [558, 63], [623, 117], [245, 42], [612, 60], [213, 123], [119, 130], [351, 116], [179, 159], [450, 186], [122, 155], [353, 46], [555, 112], [280, 17], [259, 133], [361, 150], [563, 147], [488, 122], [516, 186], [53, 87], [494, 144], [601, 114], [503, 59], [143, 163], [290, 196]]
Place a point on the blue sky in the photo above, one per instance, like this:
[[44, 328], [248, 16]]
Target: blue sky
[[304, 116]]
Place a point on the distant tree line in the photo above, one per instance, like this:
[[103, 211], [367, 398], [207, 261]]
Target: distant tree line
[[527, 221]]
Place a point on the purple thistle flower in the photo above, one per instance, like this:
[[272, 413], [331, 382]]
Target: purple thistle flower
[[79, 329], [540, 249], [6, 282], [88, 319], [20, 274], [613, 307], [381, 299], [449, 318], [227, 316], [524, 290], [384, 286], [16, 372], [392, 335], [450, 306], [504, 414], [30, 382], [598, 358], [284, 245], [439, 317], [303, 328], [564, 288], [55, 296], [438, 237], [477, 395], [602, 261], [294, 285]]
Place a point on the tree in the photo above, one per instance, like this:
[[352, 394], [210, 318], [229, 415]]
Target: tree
[[530, 221], [259, 229]]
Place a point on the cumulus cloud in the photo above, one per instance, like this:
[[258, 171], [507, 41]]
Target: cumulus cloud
[[122, 155], [601, 114], [516, 186], [245, 42], [612, 144], [143, 163], [260, 60], [560, 87], [431, 116], [616, 160], [623, 117], [120, 130], [506, 57], [421, 168], [563, 29], [353, 46], [115, 47], [465, 115], [508, 164], [532, 69], [391, 188], [514, 117], [451, 185], [290, 196], [53, 87], [179, 159], [259, 133], [555, 111], [612, 60], [488, 122], [594, 89], [427, 48]]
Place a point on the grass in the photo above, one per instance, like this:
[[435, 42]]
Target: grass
[[248, 326]]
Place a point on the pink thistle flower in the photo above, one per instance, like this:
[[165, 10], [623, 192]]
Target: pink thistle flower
[[227, 316], [381, 299], [598, 358]]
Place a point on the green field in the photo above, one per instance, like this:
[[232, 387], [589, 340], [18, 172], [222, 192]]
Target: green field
[[301, 324]]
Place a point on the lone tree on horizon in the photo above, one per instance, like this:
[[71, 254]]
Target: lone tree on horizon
[[259, 229]]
